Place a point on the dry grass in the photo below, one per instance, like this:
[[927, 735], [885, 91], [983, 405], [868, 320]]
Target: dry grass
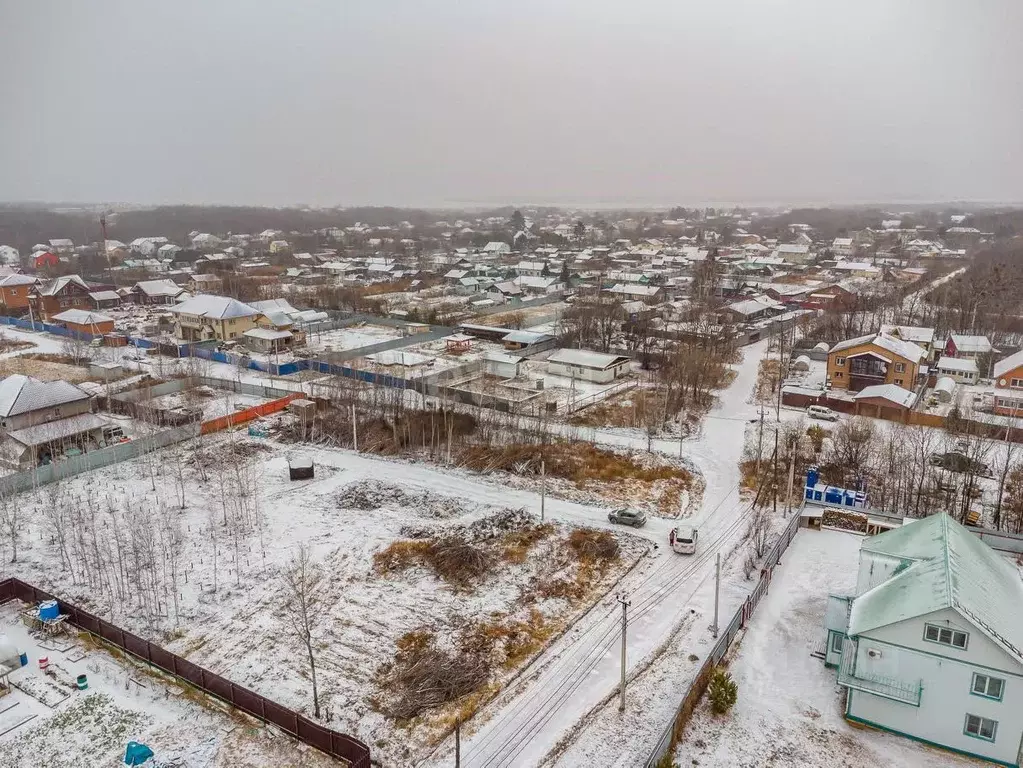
[[767, 379], [634, 408], [515, 546], [44, 368], [510, 640], [12, 345], [592, 545], [456, 562]]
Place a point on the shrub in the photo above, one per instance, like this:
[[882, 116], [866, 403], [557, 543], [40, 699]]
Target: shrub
[[590, 544], [816, 433], [722, 691]]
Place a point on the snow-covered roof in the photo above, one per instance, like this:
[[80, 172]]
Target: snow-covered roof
[[792, 248], [905, 349], [754, 305], [82, 316], [586, 359], [634, 290], [159, 288], [105, 296], [891, 392], [526, 337], [21, 394], [947, 568], [216, 307], [916, 334], [16, 279], [842, 242], [40, 434], [267, 334], [273, 305], [55, 286], [1008, 364], [973, 344], [957, 364]]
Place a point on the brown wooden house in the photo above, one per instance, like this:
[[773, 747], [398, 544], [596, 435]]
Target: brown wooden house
[[55, 296]]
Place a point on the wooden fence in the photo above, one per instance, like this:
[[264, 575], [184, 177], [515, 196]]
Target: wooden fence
[[337, 745], [247, 415], [673, 733]]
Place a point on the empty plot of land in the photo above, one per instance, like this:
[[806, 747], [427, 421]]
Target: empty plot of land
[[354, 337]]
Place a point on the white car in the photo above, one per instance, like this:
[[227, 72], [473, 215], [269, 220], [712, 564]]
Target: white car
[[821, 412], [683, 539]]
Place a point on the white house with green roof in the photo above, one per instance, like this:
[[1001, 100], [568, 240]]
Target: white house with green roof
[[931, 644]]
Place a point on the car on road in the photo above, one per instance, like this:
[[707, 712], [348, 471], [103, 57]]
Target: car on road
[[954, 461], [683, 539], [821, 412], [632, 517]]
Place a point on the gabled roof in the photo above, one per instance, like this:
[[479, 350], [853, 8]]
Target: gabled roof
[[82, 317], [159, 288], [53, 287], [957, 364], [916, 334], [21, 394], [586, 359], [904, 349], [978, 344], [274, 305], [16, 279], [1008, 364], [215, 307], [946, 567]]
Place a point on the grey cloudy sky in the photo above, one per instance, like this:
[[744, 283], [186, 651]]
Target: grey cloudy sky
[[413, 102]]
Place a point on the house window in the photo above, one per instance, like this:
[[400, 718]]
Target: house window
[[980, 727], [839, 375], [945, 636], [1016, 383], [898, 382], [985, 685], [836, 642], [900, 367], [839, 361]]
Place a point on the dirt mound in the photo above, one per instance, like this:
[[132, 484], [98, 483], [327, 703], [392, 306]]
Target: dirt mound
[[369, 495]]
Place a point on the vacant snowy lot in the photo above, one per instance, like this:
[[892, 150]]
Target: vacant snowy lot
[[187, 546], [789, 711]]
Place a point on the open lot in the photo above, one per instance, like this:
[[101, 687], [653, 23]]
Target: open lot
[[350, 338], [789, 710], [49, 721], [211, 525]]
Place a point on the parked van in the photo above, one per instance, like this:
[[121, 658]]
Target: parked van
[[683, 539], [821, 412]]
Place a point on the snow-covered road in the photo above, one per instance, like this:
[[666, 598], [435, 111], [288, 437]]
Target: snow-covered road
[[578, 671]]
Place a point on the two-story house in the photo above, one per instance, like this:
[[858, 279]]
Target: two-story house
[[878, 358], [922, 337], [14, 291], [208, 317], [1008, 375], [931, 644], [970, 347], [55, 296]]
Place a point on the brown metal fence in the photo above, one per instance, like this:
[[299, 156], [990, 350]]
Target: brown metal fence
[[673, 733], [331, 742]]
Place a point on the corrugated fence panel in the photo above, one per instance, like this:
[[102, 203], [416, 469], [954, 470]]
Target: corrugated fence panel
[[218, 686]]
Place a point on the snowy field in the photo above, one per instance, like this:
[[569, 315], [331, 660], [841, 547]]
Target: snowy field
[[350, 338], [213, 402], [144, 543], [789, 710], [49, 722]]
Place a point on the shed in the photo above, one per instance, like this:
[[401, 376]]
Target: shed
[[801, 363], [945, 389], [501, 365], [300, 467], [586, 365], [105, 371]]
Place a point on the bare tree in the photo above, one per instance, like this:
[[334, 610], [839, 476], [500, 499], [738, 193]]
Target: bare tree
[[759, 531], [10, 524], [302, 586]]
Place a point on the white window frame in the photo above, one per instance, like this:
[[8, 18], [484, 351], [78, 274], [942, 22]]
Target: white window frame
[[978, 724], [839, 361], [841, 640], [900, 367], [1015, 383], [943, 632], [985, 684]]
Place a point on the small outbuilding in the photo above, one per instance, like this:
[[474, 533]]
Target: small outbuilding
[[944, 389], [801, 363], [587, 366], [82, 321], [300, 467]]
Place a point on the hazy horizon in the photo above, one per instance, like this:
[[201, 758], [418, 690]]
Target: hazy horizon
[[594, 104]]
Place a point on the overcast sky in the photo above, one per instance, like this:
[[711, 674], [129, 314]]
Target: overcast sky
[[412, 102]]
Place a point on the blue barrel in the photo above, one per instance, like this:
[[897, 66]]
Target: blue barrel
[[23, 658], [811, 477], [49, 611]]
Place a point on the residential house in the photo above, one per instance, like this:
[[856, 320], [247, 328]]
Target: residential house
[[842, 246], [496, 247], [543, 286], [795, 253], [9, 255], [83, 321], [753, 309], [650, 294], [105, 299], [967, 346], [874, 359], [960, 369], [837, 297], [929, 646], [14, 293], [44, 259], [208, 283], [922, 337], [1008, 375], [43, 419], [156, 292], [267, 340], [54, 296], [62, 246], [587, 366], [532, 268], [213, 317], [279, 246], [885, 401]]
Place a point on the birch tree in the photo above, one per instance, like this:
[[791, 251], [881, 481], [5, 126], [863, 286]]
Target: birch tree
[[302, 583]]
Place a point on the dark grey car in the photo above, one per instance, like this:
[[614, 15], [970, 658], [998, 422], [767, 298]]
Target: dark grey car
[[632, 517]]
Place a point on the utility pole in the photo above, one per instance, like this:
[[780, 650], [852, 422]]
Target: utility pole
[[760, 438], [792, 479], [625, 622], [774, 474], [355, 431], [781, 363], [458, 742], [543, 488], [717, 592]]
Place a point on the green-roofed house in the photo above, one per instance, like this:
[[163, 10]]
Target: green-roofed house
[[931, 644]]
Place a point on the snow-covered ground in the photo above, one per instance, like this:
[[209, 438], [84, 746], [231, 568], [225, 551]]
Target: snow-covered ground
[[350, 338], [226, 611], [789, 710], [670, 596], [60, 725], [213, 403]]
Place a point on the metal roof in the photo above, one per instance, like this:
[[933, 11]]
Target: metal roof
[[216, 307], [586, 359], [21, 394], [947, 567], [890, 392], [957, 364], [83, 316], [40, 434], [1008, 364], [54, 287], [267, 334]]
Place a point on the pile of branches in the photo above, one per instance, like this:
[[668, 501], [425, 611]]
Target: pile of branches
[[457, 562], [424, 675]]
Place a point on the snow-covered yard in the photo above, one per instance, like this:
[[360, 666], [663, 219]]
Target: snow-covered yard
[[212, 592], [46, 720], [789, 710], [350, 338], [212, 402]]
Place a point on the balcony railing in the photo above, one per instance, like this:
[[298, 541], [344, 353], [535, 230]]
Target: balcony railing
[[889, 688]]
